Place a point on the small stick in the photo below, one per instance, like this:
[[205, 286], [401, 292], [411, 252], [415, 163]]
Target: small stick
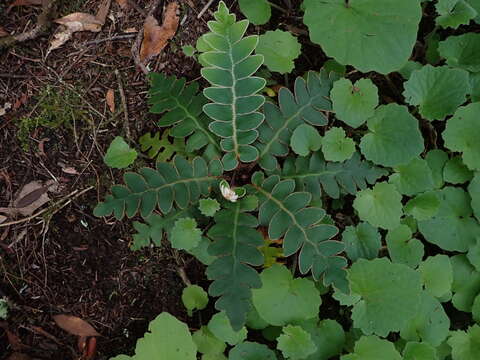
[[183, 276], [205, 8], [124, 104], [118, 37], [136, 7]]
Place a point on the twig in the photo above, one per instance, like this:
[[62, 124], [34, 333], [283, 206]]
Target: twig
[[41, 25], [118, 37], [72, 196], [124, 105], [183, 276], [136, 7], [14, 76], [205, 8]]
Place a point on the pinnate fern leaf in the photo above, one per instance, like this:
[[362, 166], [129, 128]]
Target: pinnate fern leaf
[[180, 182], [233, 94], [287, 214], [313, 173], [181, 105], [235, 243], [308, 104]]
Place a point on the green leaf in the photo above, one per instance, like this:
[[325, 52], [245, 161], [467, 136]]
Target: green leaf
[[466, 283], [461, 134], [465, 345], [474, 191], [282, 299], [362, 241], [476, 309], [194, 298], [314, 173], [407, 70], [380, 206], [373, 348], [257, 11], [119, 155], [462, 51], [437, 275], [423, 206], [181, 106], [185, 235], [189, 50], [361, 33], [412, 178], [451, 228], [337, 147], [279, 49], [419, 351], [235, 246], [327, 335], [180, 182], [305, 138], [308, 104], [287, 215], [164, 148], [455, 172], [453, 13], [207, 343], [475, 82], [208, 207], [402, 248], [436, 160], [331, 65], [220, 327], [390, 295], [3, 309], [254, 321], [167, 338], [431, 324], [431, 53], [233, 94], [201, 251], [295, 343], [394, 136], [354, 103], [473, 254], [438, 91], [251, 351]]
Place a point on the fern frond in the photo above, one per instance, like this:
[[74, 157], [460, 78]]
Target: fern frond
[[307, 104], [182, 106], [235, 243], [180, 182], [233, 94], [287, 214]]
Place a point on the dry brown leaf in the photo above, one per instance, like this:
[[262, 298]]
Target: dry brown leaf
[[130, 30], [155, 37], [103, 10], [110, 98], [123, 4], [74, 325], [70, 170], [2, 218], [3, 32], [32, 196], [23, 3]]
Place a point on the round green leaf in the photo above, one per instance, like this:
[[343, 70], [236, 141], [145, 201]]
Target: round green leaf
[[465, 345], [354, 103], [390, 295], [337, 147], [409, 68], [207, 343], [453, 13], [437, 275], [423, 206], [462, 134], [466, 283], [462, 51], [185, 235], [373, 348], [208, 207], [362, 31], [476, 309], [455, 172], [251, 351], [380, 206], [473, 254], [438, 91], [402, 248], [474, 191], [436, 160], [394, 136], [305, 138], [362, 241], [327, 335], [257, 11], [221, 328], [419, 351], [194, 298], [119, 155], [475, 82], [279, 49], [295, 343], [412, 178], [333, 66], [451, 228], [283, 299]]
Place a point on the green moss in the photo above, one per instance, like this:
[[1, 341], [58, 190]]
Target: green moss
[[55, 108]]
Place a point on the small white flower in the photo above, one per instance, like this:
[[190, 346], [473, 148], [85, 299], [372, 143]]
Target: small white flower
[[228, 193]]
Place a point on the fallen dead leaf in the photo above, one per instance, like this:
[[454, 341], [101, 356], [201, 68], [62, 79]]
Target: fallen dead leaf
[[32, 196], [74, 325], [130, 30], [123, 4], [110, 98], [79, 22], [2, 219], [13, 339], [70, 170], [155, 37], [41, 146], [3, 32]]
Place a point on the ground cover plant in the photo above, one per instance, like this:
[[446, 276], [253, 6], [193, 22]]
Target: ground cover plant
[[252, 192]]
